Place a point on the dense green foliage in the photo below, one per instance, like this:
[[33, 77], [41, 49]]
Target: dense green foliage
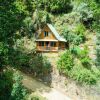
[[40, 65], [11, 87], [83, 76], [68, 67], [82, 55], [75, 36], [22, 18], [6, 83], [3, 54], [65, 63], [88, 13], [12, 13], [18, 91], [54, 6]]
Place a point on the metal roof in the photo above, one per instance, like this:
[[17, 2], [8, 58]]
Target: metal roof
[[56, 33]]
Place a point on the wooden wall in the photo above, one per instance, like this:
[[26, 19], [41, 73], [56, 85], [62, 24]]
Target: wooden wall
[[50, 36]]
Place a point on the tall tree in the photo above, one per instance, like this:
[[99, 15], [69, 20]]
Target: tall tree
[[12, 13]]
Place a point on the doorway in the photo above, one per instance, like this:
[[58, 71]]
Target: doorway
[[47, 45]]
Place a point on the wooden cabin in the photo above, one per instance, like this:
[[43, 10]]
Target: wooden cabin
[[50, 40]]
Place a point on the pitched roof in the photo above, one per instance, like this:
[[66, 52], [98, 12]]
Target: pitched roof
[[56, 34]]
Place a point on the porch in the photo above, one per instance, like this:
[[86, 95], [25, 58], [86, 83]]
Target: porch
[[45, 48], [50, 45], [47, 45]]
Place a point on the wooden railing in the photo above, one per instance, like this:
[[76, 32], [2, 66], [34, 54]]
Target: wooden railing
[[43, 48]]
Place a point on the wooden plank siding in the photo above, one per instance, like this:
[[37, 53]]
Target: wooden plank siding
[[50, 36]]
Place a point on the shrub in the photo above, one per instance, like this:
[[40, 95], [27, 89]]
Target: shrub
[[6, 83], [19, 59], [18, 90], [75, 37], [40, 65], [80, 31], [3, 54], [65, 63], [78, 39], [20, 55], [85, 61], [96, 72], [84, 58], [82, 55], [83, 75], [75, 50]]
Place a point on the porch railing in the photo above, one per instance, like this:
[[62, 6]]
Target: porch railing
[[46, 48]]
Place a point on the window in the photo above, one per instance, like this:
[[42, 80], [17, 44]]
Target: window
[[45, 33], [41, 43], [53, 44]]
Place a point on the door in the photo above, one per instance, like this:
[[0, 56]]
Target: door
[[47, 46]]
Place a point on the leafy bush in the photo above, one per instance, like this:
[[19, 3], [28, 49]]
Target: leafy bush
[[35, 63], [65, 63], [19, 59], [3, 54], [40, 65], [84, 58], [82, 55], [11, 88], [80, 31], [18, 91], [86, 61], [83, 76], [22, 52], [79, 73], [76, 36], [75, 50], [6, 83], [78, 39], [96, 72]]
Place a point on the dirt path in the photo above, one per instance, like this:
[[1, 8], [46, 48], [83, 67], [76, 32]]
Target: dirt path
[[55, 95], [44, 90]]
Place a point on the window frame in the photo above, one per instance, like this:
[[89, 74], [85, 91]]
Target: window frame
[[46, 33]]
